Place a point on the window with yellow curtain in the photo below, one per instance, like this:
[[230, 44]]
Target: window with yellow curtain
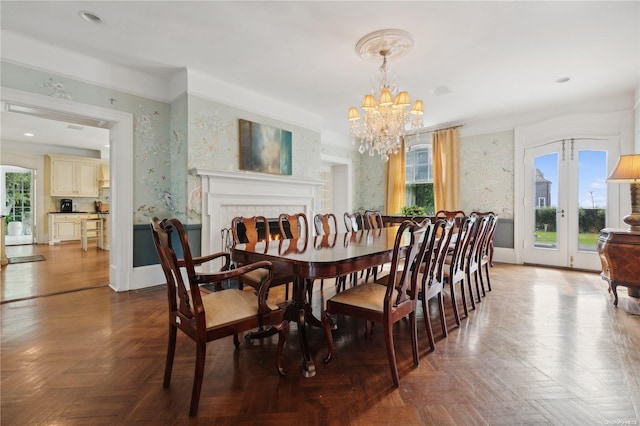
[[419, 173]]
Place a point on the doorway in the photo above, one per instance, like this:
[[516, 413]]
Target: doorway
[[18, 190], [335, 195], [566, 201], [120, 125]]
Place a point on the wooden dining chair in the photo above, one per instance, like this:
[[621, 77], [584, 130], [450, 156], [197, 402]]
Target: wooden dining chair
[[480, 214], [433, 253], [473, 256], [486, 252], [353, 221], [251, 226], [381, 304], [325, 225], [210, 316], [373, 219], [454, 266], [457, 215], [293, 225]]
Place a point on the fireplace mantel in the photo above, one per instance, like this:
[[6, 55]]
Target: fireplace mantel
[[226, 195]]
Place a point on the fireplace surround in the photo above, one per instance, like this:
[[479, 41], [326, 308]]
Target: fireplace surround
[[226, 195]]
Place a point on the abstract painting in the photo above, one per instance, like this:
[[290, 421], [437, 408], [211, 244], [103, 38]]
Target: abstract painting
[[264, 148]]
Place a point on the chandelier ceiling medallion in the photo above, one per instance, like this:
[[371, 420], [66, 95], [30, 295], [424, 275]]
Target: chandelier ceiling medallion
[[386, 115]]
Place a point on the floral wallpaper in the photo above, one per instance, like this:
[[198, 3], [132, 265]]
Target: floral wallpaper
[[214, 145], [487, 173], [371, 173]]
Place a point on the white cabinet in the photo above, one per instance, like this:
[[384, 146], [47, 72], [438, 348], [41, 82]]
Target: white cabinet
[[66, 226], [72, 176]]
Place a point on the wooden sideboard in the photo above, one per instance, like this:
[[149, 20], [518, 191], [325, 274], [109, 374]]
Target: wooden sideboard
[[619, 252]]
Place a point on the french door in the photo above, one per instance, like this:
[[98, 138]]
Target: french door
[[567, 201]]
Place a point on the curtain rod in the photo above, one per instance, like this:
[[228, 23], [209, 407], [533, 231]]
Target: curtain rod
[[436, 130]]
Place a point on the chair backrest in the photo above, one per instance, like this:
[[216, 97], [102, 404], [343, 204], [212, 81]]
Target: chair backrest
[[457, 216], [325, 224], [463, 237], [250, 225], [450, 214], [476, 241], [183, 297], [434, 250], [373, 219], [487, 243], [298, 225], [354, 221], [402, 281]]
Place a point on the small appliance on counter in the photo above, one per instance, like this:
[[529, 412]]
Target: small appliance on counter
[[102, 207], [66, 205]]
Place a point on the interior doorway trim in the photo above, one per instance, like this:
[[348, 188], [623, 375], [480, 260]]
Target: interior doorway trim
[[120, 125]]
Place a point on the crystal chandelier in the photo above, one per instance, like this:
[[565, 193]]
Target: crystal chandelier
[[386, 114]]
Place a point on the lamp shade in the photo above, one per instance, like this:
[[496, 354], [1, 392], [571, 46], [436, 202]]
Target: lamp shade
[[354, 114], [627, 169]]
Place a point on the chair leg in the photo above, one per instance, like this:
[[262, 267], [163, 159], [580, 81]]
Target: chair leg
[[310, 289], [427, 322], [486, 268], [477, 277], [456, 314], [391, 353], [464, 299], [171, 350], [414, 337], [201, 352], [236, 340], [286, 291], [443, 318], [283, 330], [468, 280], [326, 324], [482, 282]]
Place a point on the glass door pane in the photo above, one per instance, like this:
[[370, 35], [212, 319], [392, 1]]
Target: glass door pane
[[545, 201], [592, 197]]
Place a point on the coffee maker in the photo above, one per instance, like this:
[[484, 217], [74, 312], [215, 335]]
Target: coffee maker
[[66, 205]]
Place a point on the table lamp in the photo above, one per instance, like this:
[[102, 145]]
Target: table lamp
[[627, 170]]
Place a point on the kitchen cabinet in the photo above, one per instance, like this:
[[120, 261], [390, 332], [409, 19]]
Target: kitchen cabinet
[[71, 176], [66, 226]]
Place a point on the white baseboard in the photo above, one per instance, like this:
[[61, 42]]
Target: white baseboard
[[504, 255]]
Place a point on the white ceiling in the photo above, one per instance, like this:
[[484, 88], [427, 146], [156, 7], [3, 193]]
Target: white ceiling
[[496, 58]]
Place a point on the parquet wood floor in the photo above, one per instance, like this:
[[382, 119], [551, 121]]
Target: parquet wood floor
[[544, 347], [66, 268]]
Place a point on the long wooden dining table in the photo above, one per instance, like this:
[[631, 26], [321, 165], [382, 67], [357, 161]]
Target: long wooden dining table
[[319, 257]]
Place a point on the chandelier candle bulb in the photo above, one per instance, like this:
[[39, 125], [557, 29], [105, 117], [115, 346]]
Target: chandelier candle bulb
[[385, 123]]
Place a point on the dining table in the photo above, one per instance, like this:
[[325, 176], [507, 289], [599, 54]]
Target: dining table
[[318, 257]]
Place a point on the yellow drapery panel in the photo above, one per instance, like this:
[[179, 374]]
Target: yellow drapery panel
[[446, 170], [395, 182]]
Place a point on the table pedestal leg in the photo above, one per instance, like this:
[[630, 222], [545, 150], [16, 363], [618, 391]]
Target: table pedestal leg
[[300, 311]]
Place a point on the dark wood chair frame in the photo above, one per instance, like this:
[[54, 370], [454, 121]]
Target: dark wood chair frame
[[486, 252], [455, 273], [473, 255], [186, 308], [251, 234], [399, 300], [433, 254]]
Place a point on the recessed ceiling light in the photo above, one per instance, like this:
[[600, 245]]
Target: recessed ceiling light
[[29, 134], [107, 146], [563, 80], [90, 17]]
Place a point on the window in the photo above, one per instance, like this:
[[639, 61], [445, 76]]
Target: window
[[419, 174]]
